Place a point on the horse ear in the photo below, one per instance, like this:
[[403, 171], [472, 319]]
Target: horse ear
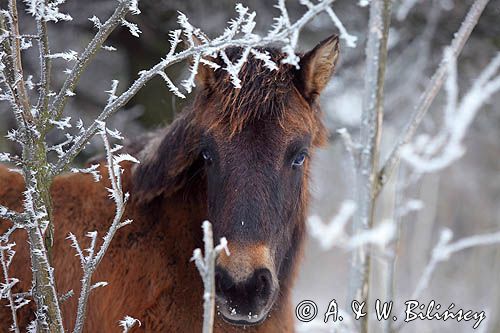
[[166, 161], [317, 66]]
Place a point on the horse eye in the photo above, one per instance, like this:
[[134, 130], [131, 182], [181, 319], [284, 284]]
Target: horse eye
[[206, 156], [299, 159]]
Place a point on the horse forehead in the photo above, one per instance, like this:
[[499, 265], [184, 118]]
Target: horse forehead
[[269, 133], [254, 142]]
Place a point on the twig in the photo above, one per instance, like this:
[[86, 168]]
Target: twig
[[92, 261], [19, 84], [45, 69], [442, 252], [8, 284], [438, 152], [376, 55], [8, 214], [206, 267], [84, 59], [430, 93]]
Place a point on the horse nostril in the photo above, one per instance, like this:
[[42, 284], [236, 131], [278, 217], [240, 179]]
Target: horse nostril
[[263, 281], [223, 282]]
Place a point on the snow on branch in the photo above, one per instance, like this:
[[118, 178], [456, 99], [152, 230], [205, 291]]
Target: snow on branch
[[444, 250], [90, 261], [84, 59], [6, 255], [334, 233], [428, 154], [47, 10], [8, 214], [206, 267], [426, 99]]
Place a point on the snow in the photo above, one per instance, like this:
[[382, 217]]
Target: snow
[[68, 56], [112, 91], [97, 23], [329, 234], [46, 11], [4, 157], [380, 235], [128, 323], [132, 27]]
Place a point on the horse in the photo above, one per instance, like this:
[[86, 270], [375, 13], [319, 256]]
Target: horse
[[238, 157]]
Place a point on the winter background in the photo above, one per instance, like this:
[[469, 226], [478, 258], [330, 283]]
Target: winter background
[[464, 197]]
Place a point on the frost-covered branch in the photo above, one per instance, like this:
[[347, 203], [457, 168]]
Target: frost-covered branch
[[83, 60], [432, 154], [6, 213], [352, 149], [90, 261], [444, 250], [334, 234], [18, 83], [6, 255], [206, 266], [45, 67], [376, 55], [433, 87]]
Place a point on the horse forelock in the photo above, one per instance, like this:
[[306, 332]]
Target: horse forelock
[[264, 93]]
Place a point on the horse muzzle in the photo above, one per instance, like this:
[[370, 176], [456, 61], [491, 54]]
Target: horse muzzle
[[245, 302]]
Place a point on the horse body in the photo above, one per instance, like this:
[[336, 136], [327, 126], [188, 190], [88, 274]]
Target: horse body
[[147, 267], [226, 159]]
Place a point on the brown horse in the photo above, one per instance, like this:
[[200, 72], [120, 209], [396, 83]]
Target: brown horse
[[237, 157]]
